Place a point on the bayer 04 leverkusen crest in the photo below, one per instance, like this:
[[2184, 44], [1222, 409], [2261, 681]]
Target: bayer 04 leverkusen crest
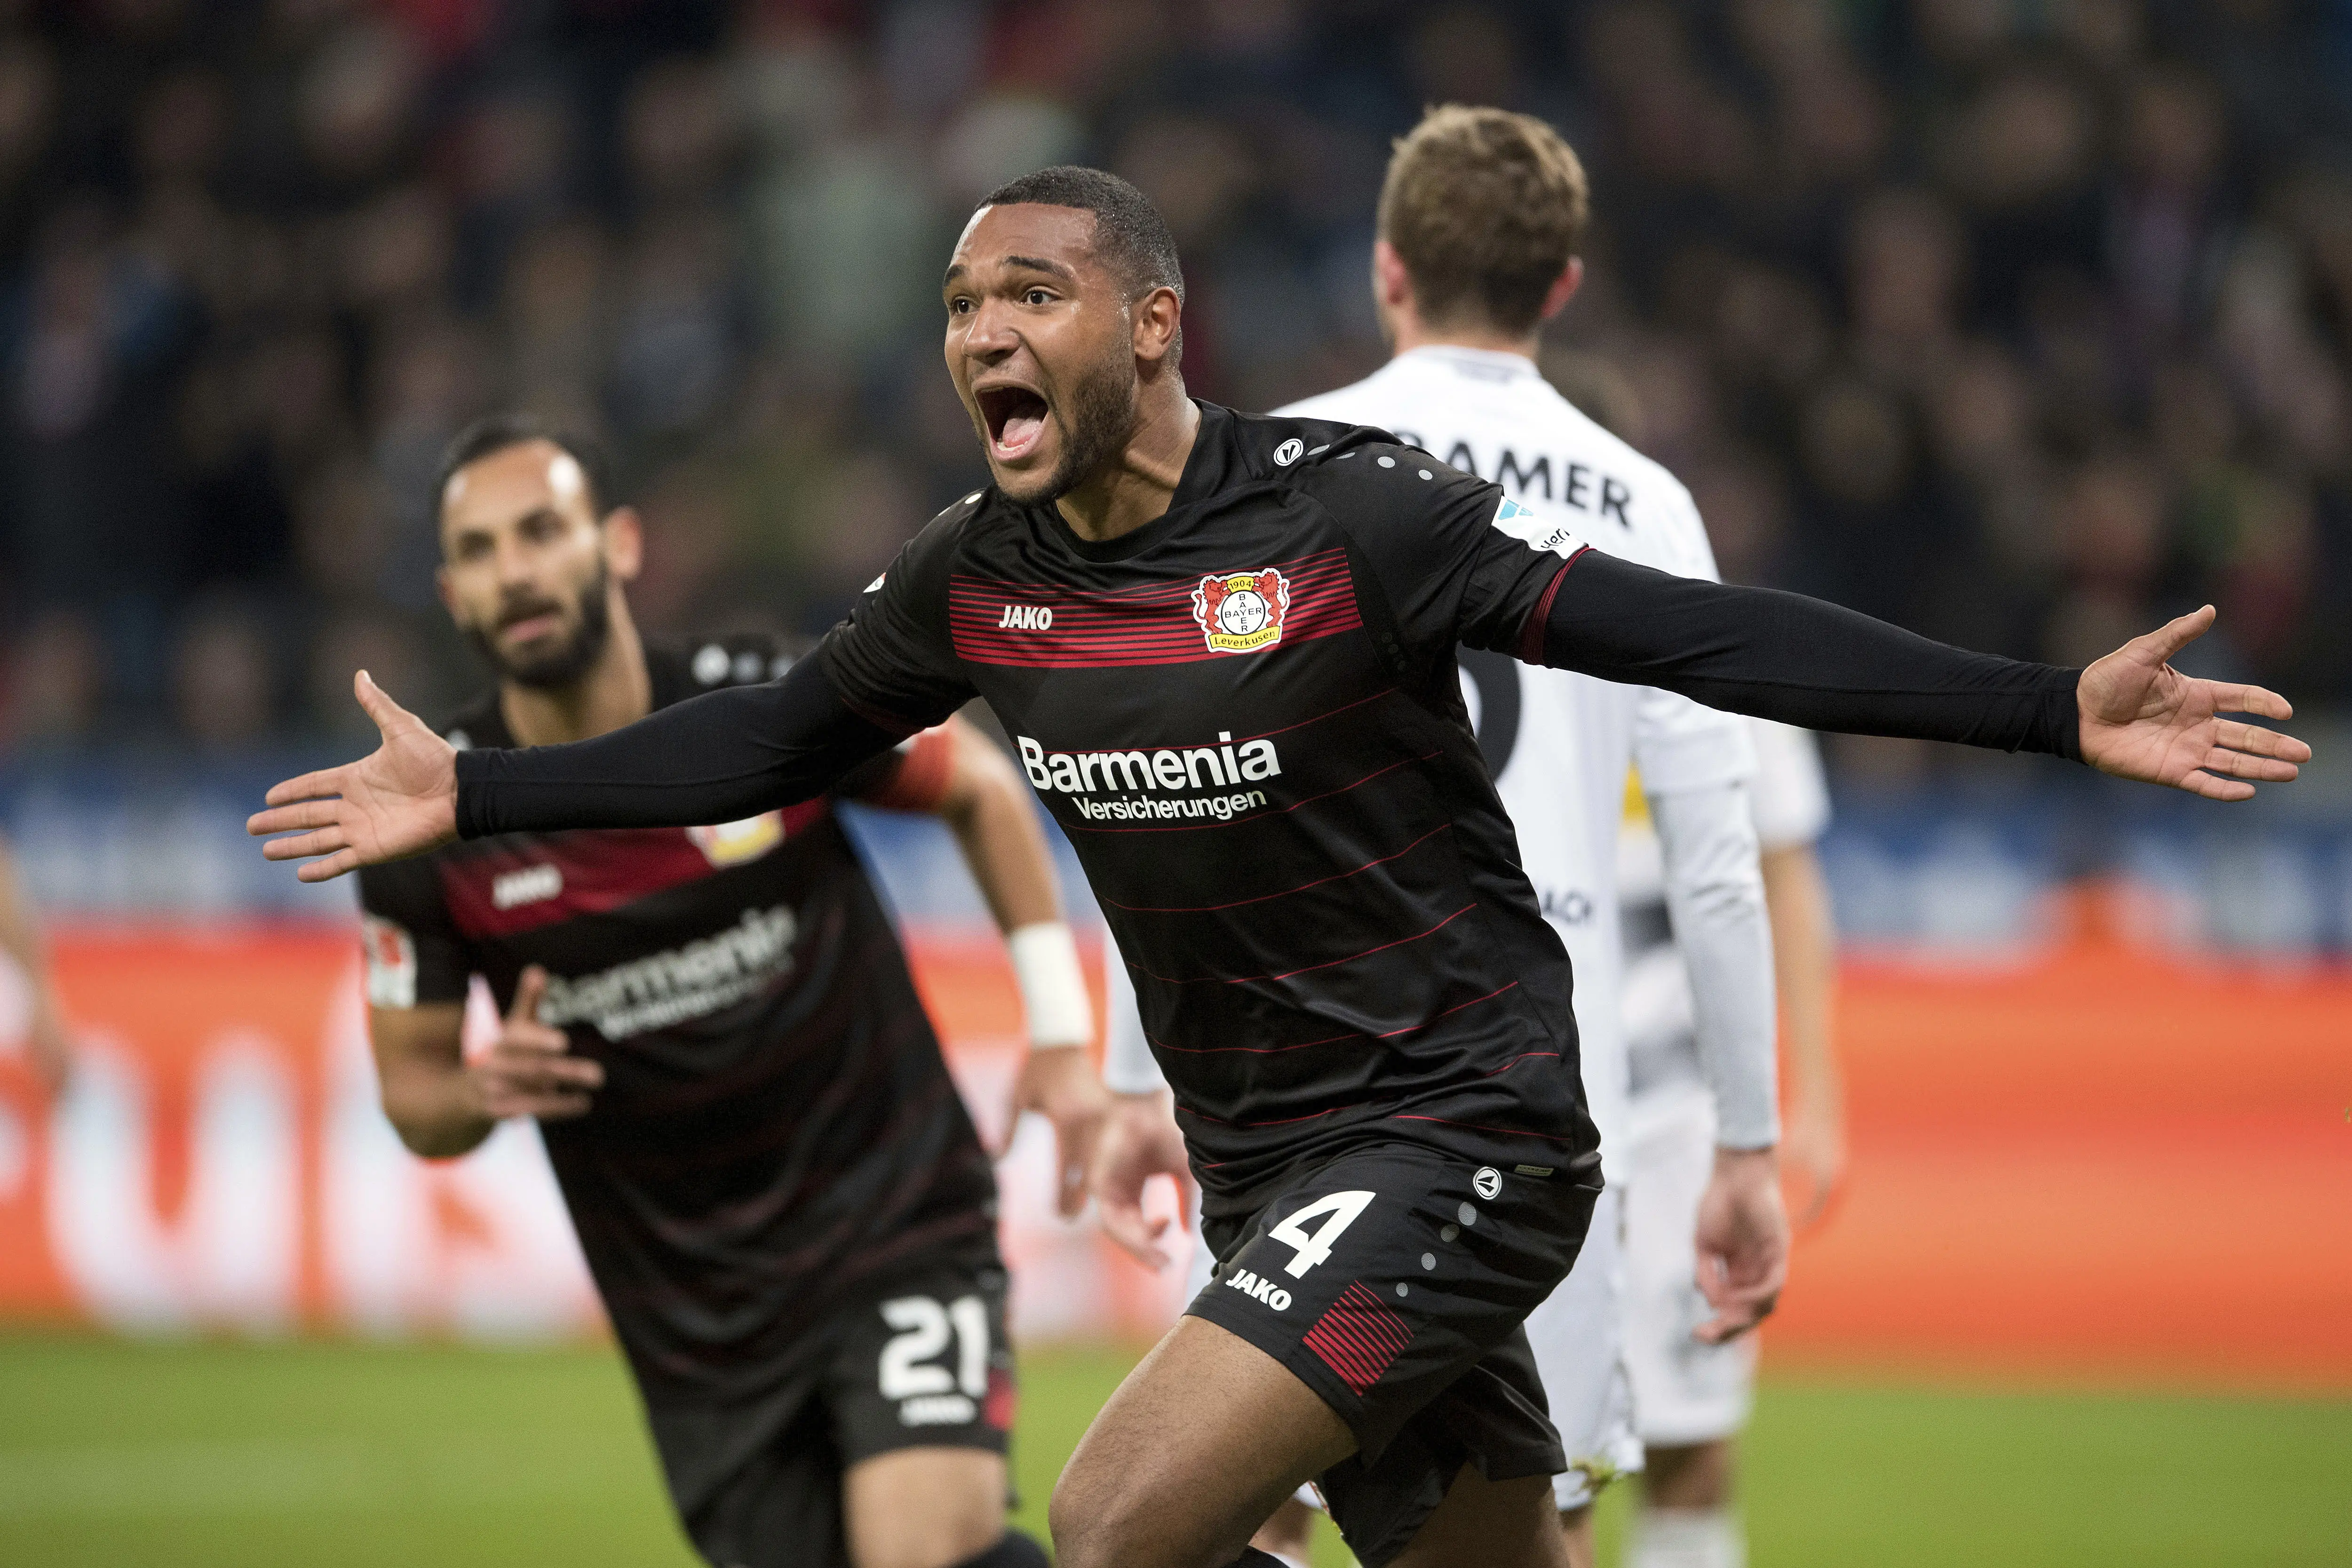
[[1241, 612]]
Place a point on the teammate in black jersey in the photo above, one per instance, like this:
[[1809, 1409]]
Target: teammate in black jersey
[[1225, 647], [785, 1207]]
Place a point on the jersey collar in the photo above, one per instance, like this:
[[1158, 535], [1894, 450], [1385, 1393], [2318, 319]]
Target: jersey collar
[[1481, 364]]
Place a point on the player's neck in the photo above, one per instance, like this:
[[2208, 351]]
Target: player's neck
[[617, 690], [1137, 484], [1411, 333]]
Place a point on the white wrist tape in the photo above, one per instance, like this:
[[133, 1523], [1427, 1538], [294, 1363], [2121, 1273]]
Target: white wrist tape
[[1052, 987]]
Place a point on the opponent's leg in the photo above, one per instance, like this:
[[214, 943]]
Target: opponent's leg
[[924, 1508], [1289, 1535], [1686, 1518], [1207, 1435], [1576, 1536]]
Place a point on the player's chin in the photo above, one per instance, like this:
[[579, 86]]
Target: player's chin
[[1028, 479]]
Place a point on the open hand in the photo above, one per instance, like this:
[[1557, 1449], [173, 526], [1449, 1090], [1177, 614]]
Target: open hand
[[529, 1069], [401, 800], [1140, 1141], [2143, 720], [1742, 1242], [1059, 1083]]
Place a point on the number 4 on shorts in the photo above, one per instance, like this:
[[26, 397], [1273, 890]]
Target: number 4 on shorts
[[1343, 1208]]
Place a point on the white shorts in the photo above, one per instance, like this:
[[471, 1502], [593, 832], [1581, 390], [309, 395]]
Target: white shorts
[[1684, 1392], [1578, 1338]]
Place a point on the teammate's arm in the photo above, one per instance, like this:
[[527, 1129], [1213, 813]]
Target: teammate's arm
[[442, 1105], [46, 1037], [1804, 662], [1804, 962], [985, 804], [1714, 897]]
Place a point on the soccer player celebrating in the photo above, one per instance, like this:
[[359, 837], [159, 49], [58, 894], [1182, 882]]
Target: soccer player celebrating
[[786, 1210], [1479, 224], [1225, 648]]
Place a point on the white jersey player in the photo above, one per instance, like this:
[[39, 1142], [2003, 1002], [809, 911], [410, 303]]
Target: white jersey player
[[1690, 1398], [1465, 386]]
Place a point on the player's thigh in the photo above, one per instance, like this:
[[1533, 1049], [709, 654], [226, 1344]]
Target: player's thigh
[[1489, 1524], [920, 1391], [923, 1508], [749, 1501], [1578, 1339], [1684, 1392], [1190, 1454]]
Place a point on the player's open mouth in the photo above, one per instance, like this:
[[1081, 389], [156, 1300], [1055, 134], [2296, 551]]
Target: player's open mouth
[[526, 626], [1017, 421]]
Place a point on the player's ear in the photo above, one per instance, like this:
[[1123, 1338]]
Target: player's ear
[[1563, 287], [449, 592], [1392, 284], [1158, 316], [625, 543]]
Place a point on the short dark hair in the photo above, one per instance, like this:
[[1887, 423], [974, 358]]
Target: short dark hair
[[1130, 237], [495, 432]]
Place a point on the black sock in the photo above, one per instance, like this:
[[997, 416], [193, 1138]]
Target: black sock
[[1015, 1551]]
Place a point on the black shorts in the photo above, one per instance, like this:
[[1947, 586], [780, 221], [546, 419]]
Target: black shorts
[[924, 1364], [1393, 1282]]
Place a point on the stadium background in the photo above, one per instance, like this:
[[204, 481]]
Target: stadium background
[[2022, 323]]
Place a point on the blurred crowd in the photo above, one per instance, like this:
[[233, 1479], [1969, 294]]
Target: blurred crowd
[[2019, 321]]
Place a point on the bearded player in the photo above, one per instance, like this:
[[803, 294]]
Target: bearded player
[[1478, 225], [785, 1208], [1348, 980]]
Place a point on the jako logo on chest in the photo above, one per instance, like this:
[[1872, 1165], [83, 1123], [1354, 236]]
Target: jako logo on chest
[[1027, 619]]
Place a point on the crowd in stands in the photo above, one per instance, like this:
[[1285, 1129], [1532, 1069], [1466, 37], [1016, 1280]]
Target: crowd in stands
[[2022, 322]]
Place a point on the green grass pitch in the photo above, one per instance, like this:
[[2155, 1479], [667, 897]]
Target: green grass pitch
[[200, 1454]]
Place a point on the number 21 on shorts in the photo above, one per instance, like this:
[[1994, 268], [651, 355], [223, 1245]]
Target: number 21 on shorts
[[1342, 1208]]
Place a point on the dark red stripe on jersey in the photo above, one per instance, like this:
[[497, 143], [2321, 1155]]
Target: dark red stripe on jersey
[[1151, 625], [1311, 968], [507, 885], [1335, 1039], [1360, 1337], [1262, 898], [1531, 634]]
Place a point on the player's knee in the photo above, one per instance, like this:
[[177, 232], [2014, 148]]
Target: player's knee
[[1687, 1476], [1093, 1527]]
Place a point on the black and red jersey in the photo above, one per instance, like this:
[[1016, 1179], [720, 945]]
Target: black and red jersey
[[1246, 718], [777, 1132]]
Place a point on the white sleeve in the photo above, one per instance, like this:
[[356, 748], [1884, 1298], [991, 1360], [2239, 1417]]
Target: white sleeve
[[1792, 798], [1715, 896], [1128, 1066], [1679, 744]]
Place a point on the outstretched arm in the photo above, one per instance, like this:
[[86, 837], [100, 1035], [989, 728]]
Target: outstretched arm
[[1785, 656], [719, 757]]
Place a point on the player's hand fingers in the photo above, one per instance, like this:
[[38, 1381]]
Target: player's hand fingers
[[326, 784], [2230, 697], [1137, 1234], [328, 869], [387, 714], [1077, 1135], [2241, 736], [325, 841], [530, 990], [2199, 782], [547, 1105], [296, 814], [2159, 645]]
